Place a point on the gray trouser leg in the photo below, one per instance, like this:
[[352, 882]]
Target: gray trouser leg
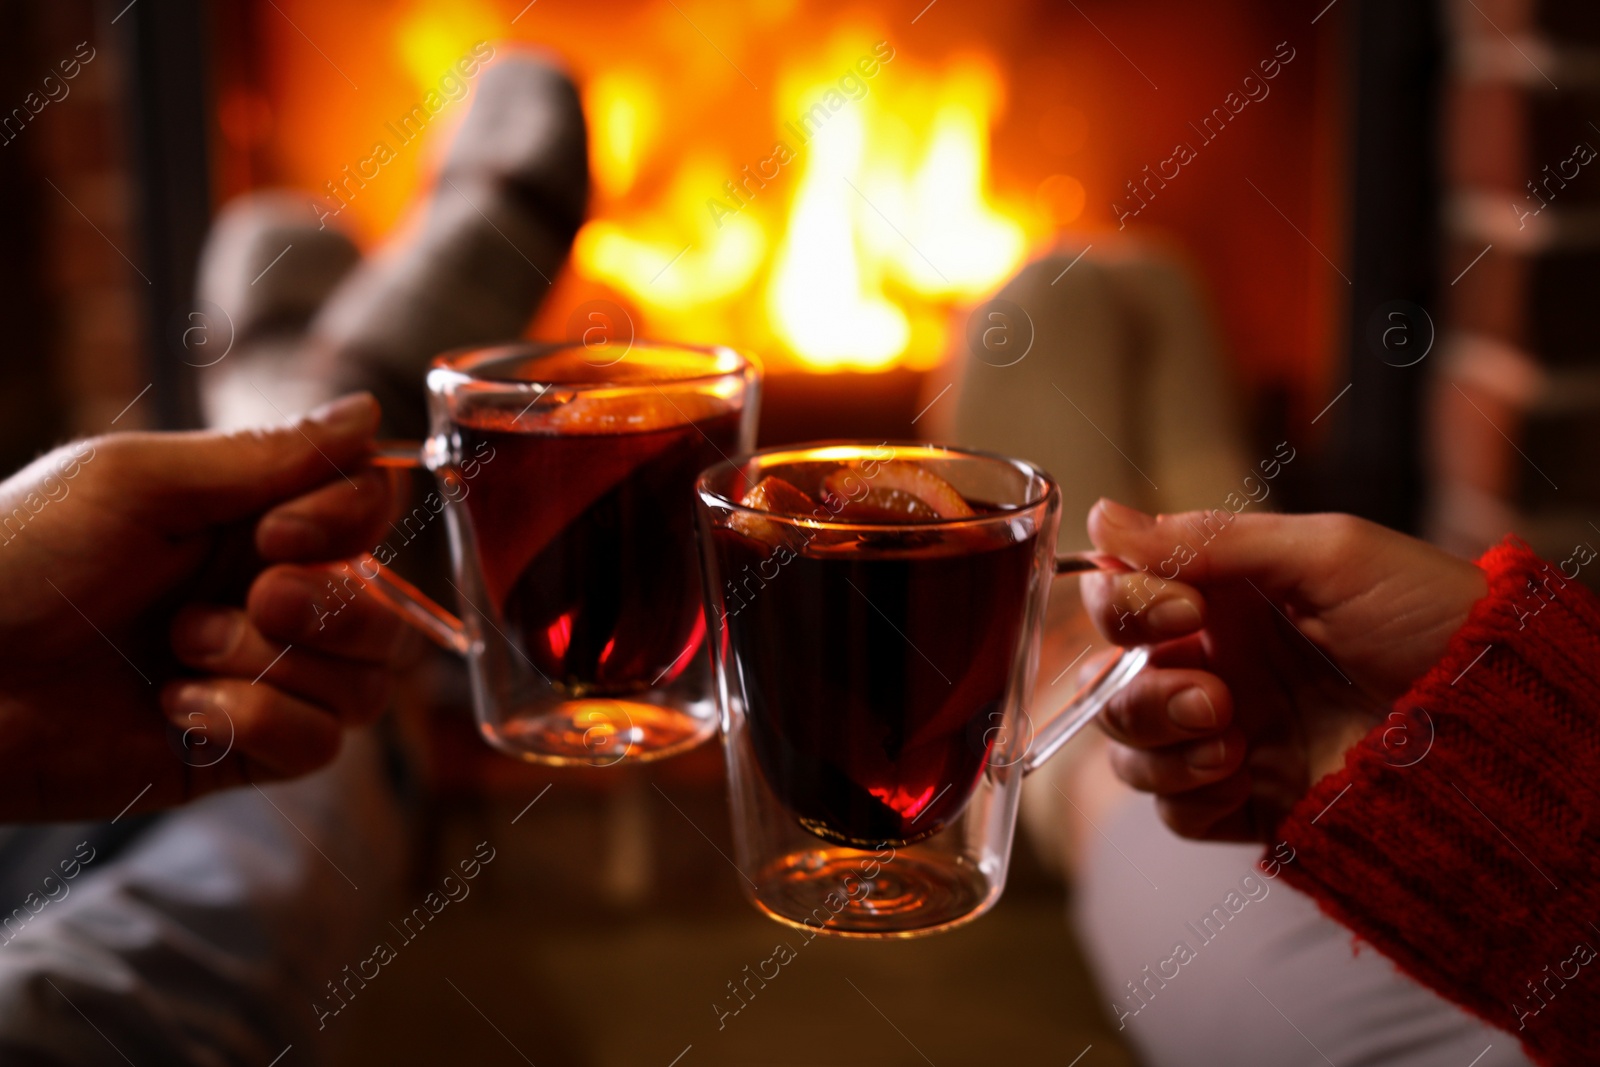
[[207, 938]]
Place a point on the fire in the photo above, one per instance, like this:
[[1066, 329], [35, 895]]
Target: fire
[[623, 121], [846, 247], [845, 240], [826, 300], [677, 262], [430, 38]]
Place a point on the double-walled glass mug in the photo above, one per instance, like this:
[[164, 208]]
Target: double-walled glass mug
[[876, 622], [567, 487]]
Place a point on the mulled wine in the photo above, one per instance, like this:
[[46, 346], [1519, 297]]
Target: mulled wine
[[585, 535], [874, 664]]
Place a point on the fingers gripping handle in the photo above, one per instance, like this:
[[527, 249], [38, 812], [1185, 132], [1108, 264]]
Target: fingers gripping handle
[[393, 591], [1094, 694]]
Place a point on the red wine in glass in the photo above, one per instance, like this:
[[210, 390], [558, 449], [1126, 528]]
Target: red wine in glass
[[586, 541], [874, 666]]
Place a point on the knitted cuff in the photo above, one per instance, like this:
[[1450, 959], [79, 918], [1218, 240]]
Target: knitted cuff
[[1461, 837]]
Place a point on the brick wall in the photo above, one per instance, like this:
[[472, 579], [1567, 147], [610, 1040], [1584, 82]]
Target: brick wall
[[1515, 406], [66, 163]]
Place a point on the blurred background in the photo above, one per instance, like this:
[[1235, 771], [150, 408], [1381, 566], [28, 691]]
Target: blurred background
[[1394, 245], [1396, 146]]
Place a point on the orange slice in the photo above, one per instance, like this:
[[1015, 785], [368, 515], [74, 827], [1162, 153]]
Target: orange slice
[[896, 492], [778, 496], [770, 494], [638, 413]]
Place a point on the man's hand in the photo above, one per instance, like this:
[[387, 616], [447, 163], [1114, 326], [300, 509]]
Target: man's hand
[[1278, 641], [157, 619]]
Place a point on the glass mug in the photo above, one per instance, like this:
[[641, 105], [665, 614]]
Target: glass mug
[[568, 485], [876, 630]]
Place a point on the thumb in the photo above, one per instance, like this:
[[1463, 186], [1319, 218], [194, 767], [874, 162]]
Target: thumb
[[1281, 554], [204, 477]]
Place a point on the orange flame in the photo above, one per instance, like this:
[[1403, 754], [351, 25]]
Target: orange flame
[[854, 238], [845, 247]]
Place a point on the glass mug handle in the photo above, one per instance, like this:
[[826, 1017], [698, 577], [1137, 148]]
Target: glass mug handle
[[393, 591], [1094, 694]]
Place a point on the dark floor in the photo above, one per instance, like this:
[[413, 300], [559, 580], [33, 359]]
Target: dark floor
[[607, 928]]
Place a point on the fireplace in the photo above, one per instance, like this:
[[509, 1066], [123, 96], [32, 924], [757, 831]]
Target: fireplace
[[836, 188]]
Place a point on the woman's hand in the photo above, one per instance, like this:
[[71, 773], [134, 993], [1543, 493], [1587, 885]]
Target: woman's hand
[[1278, 641]]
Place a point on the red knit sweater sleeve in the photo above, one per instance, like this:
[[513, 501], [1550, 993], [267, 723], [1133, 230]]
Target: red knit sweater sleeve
[[1462, 837]]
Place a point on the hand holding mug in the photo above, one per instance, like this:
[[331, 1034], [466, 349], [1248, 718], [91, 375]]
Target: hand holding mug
[[1277, 642], [156, 596]]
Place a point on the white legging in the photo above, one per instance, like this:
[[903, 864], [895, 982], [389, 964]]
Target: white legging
[[1266, 980]]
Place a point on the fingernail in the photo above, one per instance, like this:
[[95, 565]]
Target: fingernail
[[192, 704], [1174, 617], [199, 729], [208, 634], [1208, 756], [345, 413], [1192, 709], [1122, 516]]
